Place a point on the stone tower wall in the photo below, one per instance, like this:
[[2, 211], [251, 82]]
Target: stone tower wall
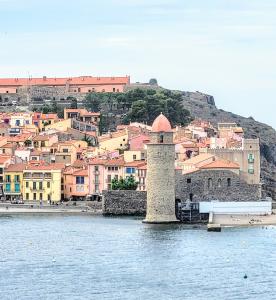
[[160, 183]]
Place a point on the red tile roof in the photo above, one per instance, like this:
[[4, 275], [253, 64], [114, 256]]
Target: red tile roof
[[16, 168], [221, 164], [136, 163], [4, 158], [82, 172], [107, 162], [82, 80]]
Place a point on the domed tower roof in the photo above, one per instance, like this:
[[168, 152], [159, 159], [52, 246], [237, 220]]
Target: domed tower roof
[[161, 124]]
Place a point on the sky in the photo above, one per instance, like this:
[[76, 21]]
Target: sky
[[226, 48]]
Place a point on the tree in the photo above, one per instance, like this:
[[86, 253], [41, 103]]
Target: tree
[[74, 102], [45, 109], [92, 102], [139, 111], [54, 107], [124, 184], [28, 143], [88, 140]]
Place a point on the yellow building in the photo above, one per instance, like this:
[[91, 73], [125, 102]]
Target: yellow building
[[43, 183], [13, 181], [44, 141], [113, 141], [67, 152]]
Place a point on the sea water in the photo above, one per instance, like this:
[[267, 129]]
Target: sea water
[[92, 257]]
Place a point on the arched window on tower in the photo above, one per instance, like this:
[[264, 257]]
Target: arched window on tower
[[228, 182], [210, 183], [219, 183], [161, 138]]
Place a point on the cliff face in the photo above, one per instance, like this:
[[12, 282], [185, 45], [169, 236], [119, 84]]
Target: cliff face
[[203, 106]]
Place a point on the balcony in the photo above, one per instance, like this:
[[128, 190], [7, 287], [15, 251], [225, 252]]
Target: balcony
[[37, 189]]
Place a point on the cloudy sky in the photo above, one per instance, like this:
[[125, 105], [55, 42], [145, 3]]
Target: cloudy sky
[[226, 48]]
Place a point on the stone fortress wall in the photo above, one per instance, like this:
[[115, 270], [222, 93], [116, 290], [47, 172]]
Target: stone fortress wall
[[198, 184], [26, 95], [124, 202], [222, 185]]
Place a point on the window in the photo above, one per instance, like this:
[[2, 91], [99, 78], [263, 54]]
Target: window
[[161, 138], [1, 170], [191, 197], [8, 178], [251, 158], [189, 180], [40, 196], [48, 184], [27, 184], [17, 187], [40, 185], [64, 157], [109, 178], [16, 178], [34, 196], [8, 187], [134, 157], [96, 188], [96, 179], [48, 197], [114, 90], [228, 182], [42, 144], [34, 185], [130, 170], [27, 196], [210, 183], [96, 168], [65, 150], [219, 183], [79, 180], [251, 169]]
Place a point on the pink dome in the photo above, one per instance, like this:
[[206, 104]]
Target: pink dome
[[161, 124]]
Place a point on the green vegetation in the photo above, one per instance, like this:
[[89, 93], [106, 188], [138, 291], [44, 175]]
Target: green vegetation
[[124, 184], [142, 105], [74, 102], [88, 140]]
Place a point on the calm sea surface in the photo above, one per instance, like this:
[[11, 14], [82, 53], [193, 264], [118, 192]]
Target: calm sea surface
[[88, 257]]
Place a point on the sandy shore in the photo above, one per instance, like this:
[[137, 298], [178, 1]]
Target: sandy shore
[[244, 220]]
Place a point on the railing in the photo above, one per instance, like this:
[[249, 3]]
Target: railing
[[37, 189]]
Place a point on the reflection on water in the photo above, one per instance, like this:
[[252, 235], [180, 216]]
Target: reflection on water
[[88, 257]]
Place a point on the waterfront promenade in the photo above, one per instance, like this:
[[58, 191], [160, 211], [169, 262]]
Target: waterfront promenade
[[81, 208]]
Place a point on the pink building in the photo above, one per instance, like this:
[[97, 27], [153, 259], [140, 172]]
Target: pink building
[[102, 171]]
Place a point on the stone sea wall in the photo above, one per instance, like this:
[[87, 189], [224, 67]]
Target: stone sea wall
[[124, 202]]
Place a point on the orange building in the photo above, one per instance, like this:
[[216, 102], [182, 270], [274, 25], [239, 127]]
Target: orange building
[[76, 186], [81, 84]]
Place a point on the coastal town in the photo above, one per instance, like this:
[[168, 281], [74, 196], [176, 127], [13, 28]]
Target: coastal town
[[49, 160]]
